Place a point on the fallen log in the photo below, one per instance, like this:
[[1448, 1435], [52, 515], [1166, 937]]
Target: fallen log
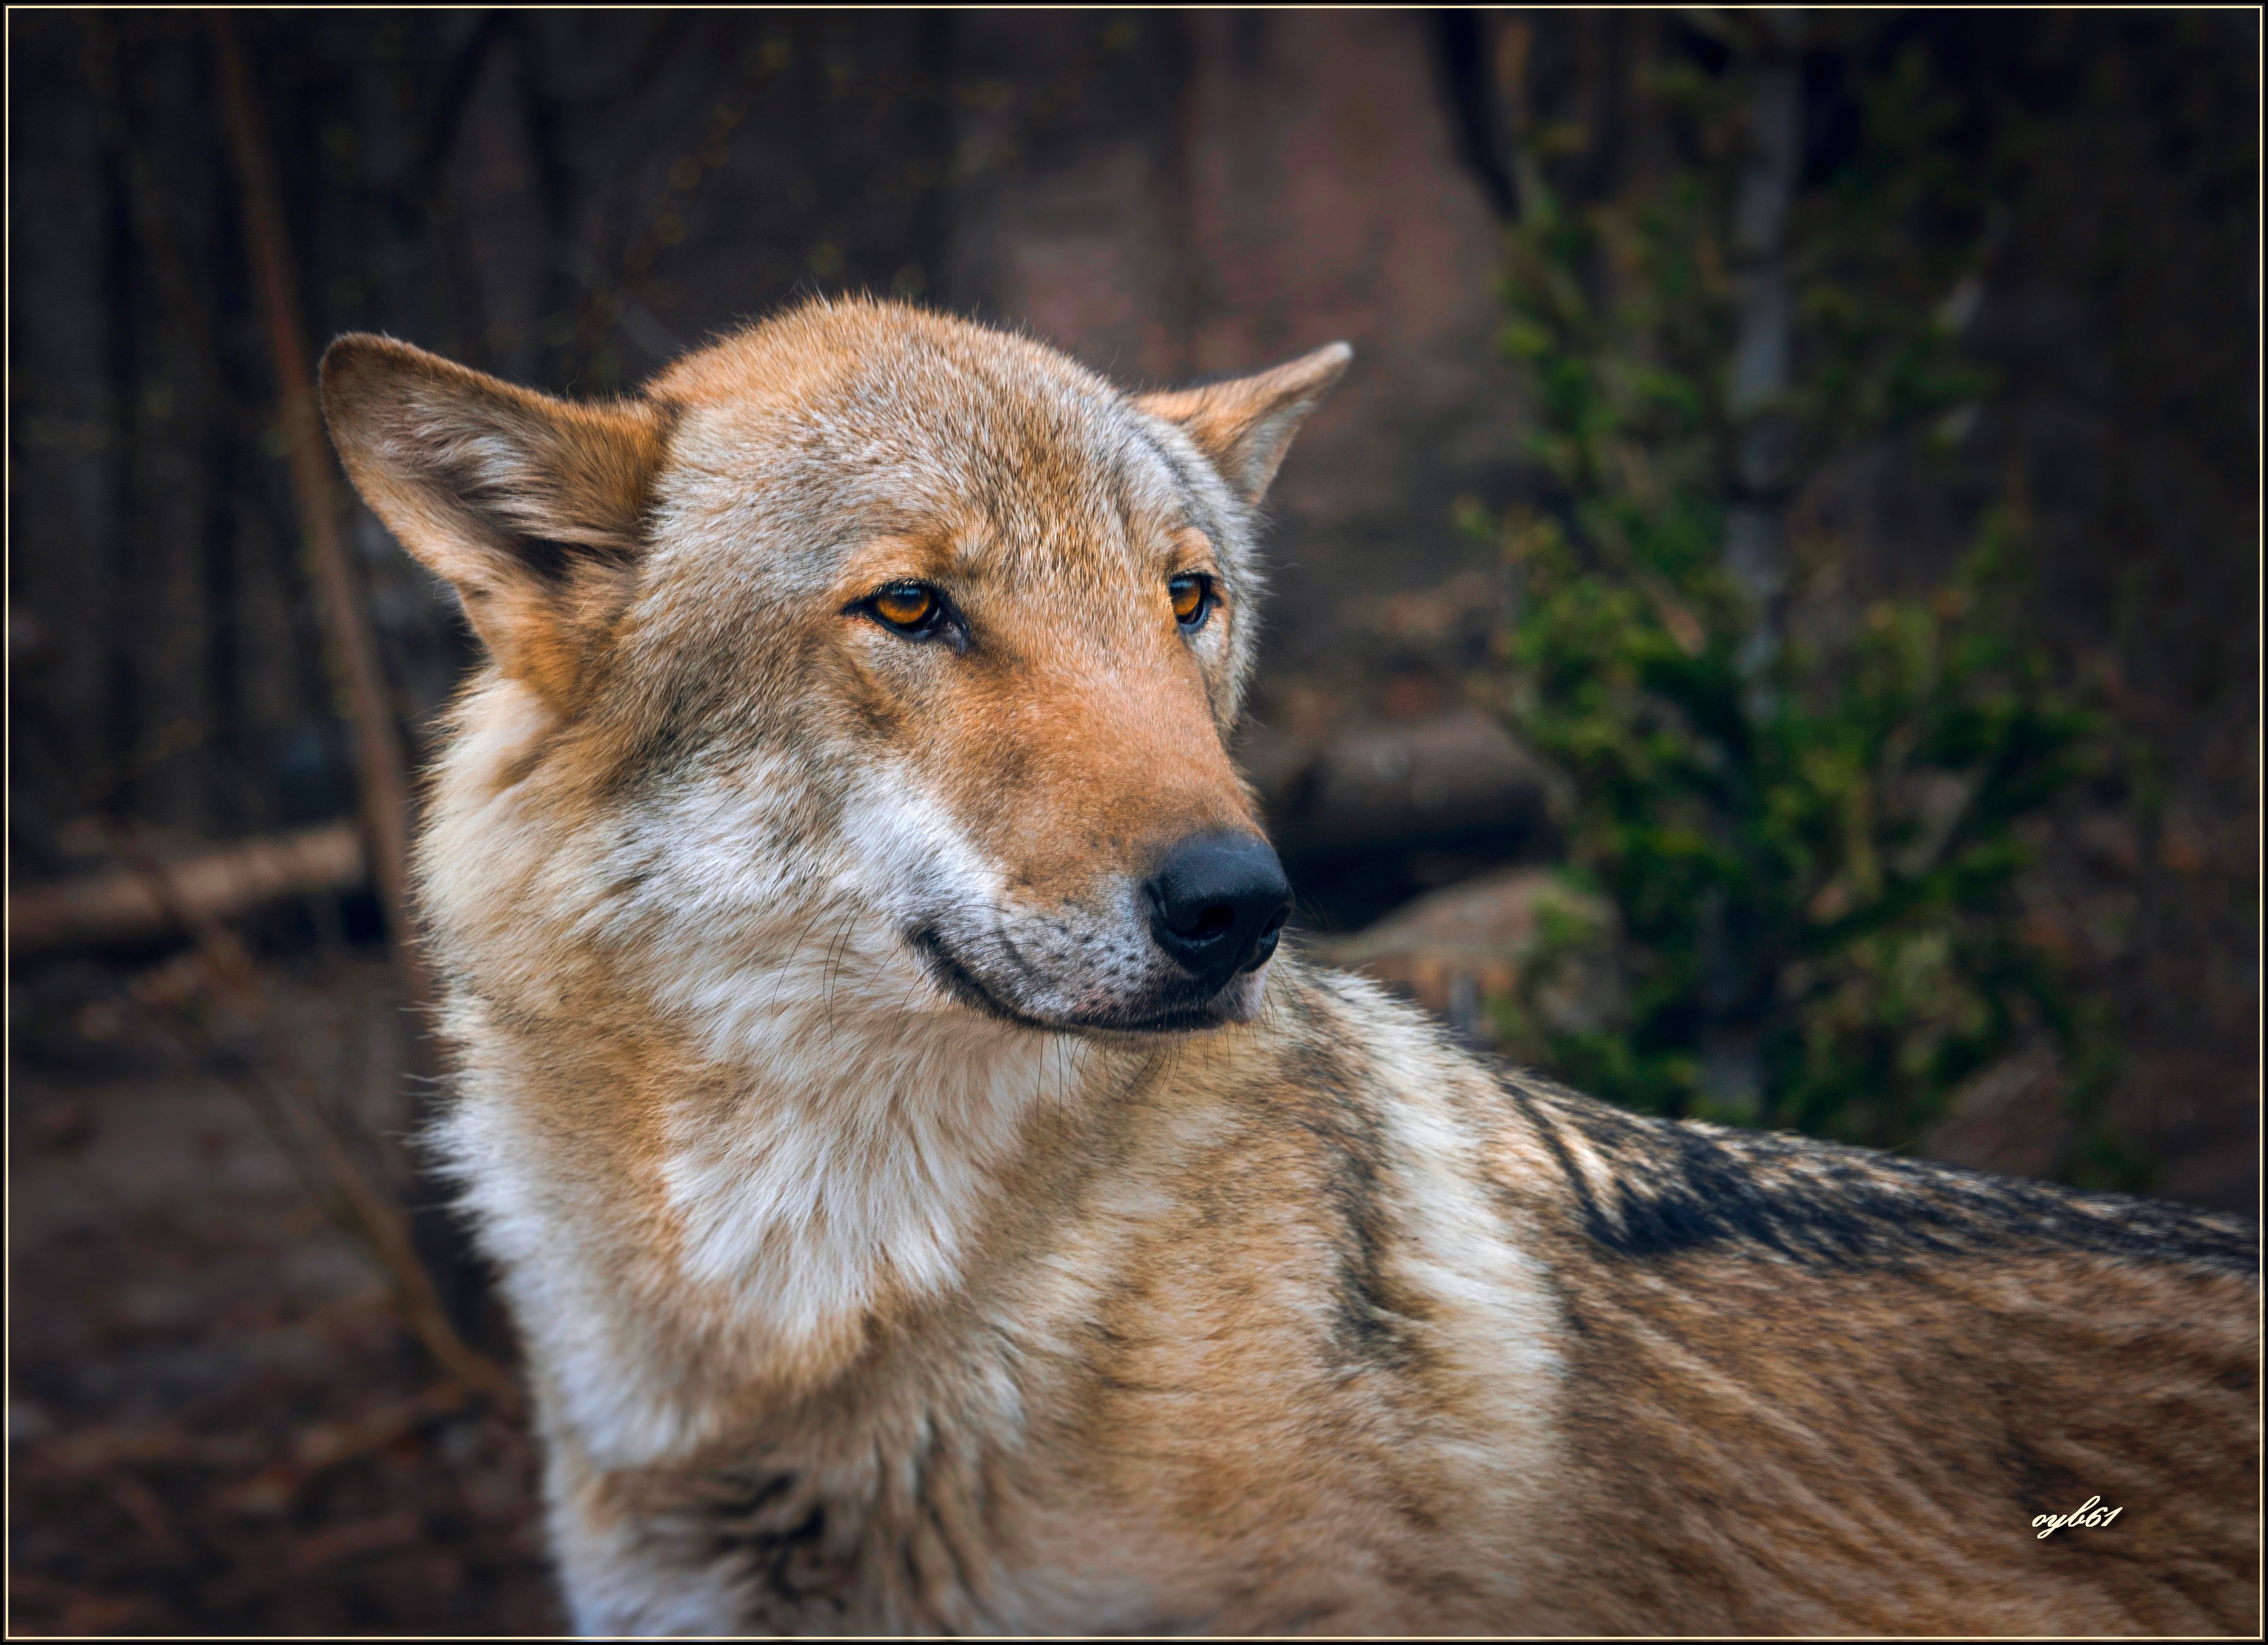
[[1376, 788], [122, 906]]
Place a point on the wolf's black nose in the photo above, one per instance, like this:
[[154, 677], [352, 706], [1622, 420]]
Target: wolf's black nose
[[1217, 903]]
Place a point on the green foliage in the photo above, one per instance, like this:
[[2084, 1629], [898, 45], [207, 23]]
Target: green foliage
[[1812, 874]]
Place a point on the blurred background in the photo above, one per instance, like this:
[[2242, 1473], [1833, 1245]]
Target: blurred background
[[1767, 630]]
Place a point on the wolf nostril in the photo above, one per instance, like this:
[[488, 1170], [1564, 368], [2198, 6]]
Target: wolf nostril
[[1218, 902], [1213, 921]]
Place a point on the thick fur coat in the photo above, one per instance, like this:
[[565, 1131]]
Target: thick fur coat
[[901, 1239]]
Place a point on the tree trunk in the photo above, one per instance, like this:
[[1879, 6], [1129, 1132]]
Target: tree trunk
[[1756, 529], [1756, 547]]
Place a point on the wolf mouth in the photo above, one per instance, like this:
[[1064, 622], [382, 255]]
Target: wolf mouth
[[929, 946]]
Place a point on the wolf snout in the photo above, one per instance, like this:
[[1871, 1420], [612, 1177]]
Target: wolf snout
[[1218, 903]]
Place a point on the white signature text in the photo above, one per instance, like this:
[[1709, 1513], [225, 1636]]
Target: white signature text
[[2089, 1515]]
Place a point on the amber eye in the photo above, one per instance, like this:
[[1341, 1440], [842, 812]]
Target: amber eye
[[907, 606], [1192, 596]]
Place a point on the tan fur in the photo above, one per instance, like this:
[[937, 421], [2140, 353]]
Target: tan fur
[[896, 1249]]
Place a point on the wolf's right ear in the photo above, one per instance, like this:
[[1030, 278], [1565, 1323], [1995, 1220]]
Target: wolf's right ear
[[534, 509]]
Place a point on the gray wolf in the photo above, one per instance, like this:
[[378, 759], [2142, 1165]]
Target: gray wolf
[[933, 1197]]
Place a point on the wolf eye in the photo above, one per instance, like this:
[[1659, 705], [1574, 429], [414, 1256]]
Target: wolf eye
[[1192, 593], [908, 607]]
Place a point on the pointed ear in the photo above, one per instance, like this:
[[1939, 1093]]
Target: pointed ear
[[1245, 425], [534, 509]]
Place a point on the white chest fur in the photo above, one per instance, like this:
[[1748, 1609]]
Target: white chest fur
[[852, 1163]]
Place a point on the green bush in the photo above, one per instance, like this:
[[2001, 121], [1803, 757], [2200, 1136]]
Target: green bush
[[1811, 849]]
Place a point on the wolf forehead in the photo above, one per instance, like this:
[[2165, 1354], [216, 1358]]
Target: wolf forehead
[[885, 418]]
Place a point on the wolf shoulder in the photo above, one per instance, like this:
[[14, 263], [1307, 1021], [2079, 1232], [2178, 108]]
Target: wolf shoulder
[[1634, 1189]]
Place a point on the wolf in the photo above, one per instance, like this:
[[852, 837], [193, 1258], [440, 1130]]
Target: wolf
[[934, 1195]]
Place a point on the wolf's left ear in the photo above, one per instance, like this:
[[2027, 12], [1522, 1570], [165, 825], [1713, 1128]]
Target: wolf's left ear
[[1245, 425], [534, 509]]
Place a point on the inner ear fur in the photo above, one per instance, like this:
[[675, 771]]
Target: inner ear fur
[[1245, 425], [533, 509]]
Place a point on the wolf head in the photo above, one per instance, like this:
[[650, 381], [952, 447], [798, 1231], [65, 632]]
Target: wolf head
[[865, 633]]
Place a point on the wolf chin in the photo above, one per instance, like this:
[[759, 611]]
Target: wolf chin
[[932, 1196]]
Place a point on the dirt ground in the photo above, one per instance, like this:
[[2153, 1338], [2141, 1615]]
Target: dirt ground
[[216, 1422]]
